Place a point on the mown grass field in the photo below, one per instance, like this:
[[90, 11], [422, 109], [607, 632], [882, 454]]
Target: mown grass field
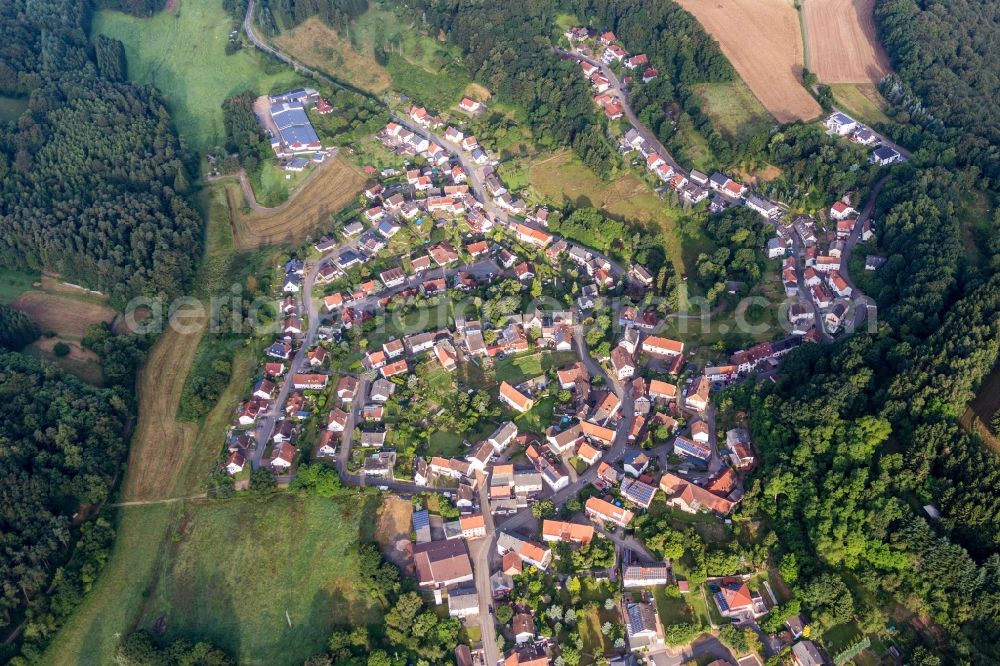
[[862, 101], [182, 53], [516, 369], [334, 186], [734, 110], [227, 572], [562, 178]]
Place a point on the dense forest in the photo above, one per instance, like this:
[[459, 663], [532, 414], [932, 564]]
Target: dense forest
[[91, 175], [63, 444], [283, 14], [92, 185], [859, 436], [947, 58]]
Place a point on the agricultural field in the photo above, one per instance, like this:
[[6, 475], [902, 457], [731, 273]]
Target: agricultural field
[[63, 314], [425, 69], [862, 101], [763, 40], [562, 177], [333, 187], [351, 59], [734, 110], [841, 41], [182, 53], [228, 572]]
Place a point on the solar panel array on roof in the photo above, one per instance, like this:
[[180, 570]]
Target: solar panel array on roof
[[420, 519], [293, 125]]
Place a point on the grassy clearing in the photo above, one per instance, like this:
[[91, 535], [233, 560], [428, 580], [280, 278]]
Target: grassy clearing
[[436, 89], [273, 186], [334, 186], [975, 224], [227, 572], [11, 108], [80, 362], [590, 621], [14, 283], [562, 178], [224, 581], [182, 53], [734, 110], [862, 101], [982, 408]]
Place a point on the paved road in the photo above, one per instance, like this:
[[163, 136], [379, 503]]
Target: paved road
[[860, 310], [618, 93], [480, 550], [706, 645]]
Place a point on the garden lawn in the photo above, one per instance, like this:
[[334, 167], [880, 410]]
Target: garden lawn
[[182, 53], [538, 418], [673, 610], [14, 283], [516, 369]]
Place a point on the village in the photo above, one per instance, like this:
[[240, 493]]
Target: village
[[439, 344]]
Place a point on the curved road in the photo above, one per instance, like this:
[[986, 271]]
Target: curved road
[[618, 93]]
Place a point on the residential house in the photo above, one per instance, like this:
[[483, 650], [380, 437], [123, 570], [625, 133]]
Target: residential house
[[692, 498], [473, 526], [527, 551], [555, 530], [622, 363], [841, 211], [805, 653], [642, 626], [635, 462], [840, 124], [644, 575], [599, 509], [380, 465], [283, 455], [884, 156], [235, 463], [698, 399], [304, 381], [441, 564], [346, 388], [336, 421], [463, 602], [638, 493], [381, 390], [693, 450], [517, 401], [662, 347], [661, 390]]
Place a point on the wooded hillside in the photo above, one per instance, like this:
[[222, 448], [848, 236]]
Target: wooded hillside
[[91, 176]]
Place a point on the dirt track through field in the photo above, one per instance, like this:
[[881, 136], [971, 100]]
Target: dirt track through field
[[763, 40], [843, 44], [334, 186]]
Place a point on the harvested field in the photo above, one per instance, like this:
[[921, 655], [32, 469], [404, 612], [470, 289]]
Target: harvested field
[[841, 41], [160, 444], [332, 187], [763, 40], [68, 317], [314, 43]]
